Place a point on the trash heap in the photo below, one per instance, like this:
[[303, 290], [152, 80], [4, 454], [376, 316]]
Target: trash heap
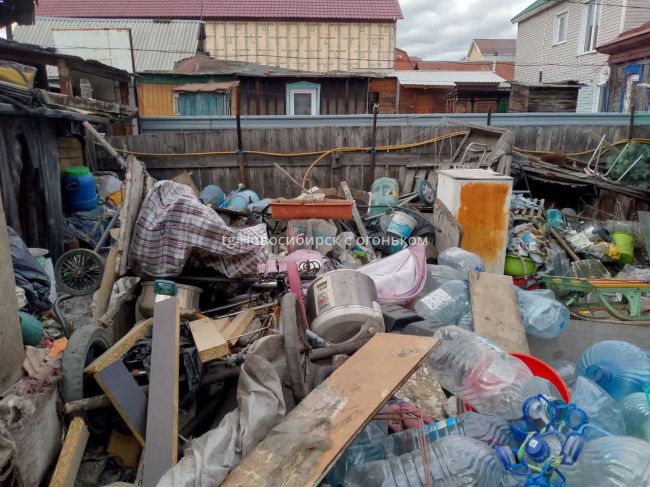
[[338, 338], [517, 428]]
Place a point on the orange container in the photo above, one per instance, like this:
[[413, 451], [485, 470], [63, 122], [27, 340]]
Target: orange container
[[304, 210]]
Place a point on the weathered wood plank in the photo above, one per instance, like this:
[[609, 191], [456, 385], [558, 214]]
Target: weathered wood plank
[[120, 347], [341, 406], [209, 342], [495, 309], [72, 452]]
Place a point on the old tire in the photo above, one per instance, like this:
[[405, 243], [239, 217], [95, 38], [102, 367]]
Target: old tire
[[84, 346], [300, 382]]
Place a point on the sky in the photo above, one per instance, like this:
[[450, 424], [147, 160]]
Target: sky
[[444, 29]]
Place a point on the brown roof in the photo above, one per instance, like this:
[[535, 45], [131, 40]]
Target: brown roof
[[505, 70], [223, 9], [496, 47], [207, 87], [629, 46], [403, 61]]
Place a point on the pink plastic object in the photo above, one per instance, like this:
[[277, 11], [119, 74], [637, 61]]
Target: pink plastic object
[[400, 277]]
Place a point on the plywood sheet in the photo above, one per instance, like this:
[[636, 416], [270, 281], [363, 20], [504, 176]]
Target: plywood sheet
[[127, 397], [71, 454], [209, 342], [349, 398], [495, 309], [161, 452]]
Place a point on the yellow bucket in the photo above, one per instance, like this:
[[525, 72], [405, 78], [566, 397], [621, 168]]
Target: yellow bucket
[[625, 243]]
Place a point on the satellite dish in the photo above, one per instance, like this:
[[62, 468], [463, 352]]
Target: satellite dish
[[603, 76]]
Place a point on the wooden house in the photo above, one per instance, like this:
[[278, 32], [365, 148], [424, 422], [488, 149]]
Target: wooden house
[[204, 86], [544, 97]]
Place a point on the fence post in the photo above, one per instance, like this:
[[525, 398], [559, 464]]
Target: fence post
[[373, 143]]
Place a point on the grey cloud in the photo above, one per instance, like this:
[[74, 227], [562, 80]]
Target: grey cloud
[[443, 29]]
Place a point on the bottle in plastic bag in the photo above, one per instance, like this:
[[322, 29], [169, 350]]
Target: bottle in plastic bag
[[478, 372], [601, 408], [542, 317], [491, 430], [457, 461], [448, 304], [461, 260], [636, 412], [618, 367], [611, 461]]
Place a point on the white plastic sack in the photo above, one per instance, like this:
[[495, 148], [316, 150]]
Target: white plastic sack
[[400, 277]]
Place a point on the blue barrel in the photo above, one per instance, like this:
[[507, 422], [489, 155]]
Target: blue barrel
[[240, 200], [80, 190]]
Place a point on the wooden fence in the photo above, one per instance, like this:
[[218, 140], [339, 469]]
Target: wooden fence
[[268, 181]]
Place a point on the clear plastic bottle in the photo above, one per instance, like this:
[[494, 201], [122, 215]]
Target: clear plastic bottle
[[478, 372], [437, 275], [601, 408], [566, 369], [618, 367], [491, 430], [543, 448], [542, 316], [448, 304], [636, 412], [611, 461], [461, 260], [456, 461]]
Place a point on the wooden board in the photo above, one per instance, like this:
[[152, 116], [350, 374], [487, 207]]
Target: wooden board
[[120, 348], [125, 448], [133, 195], [209, 342], [238, 325], [161, 452], [127, 397], [72, 452], [349, 398], [495, 309], [106, 288]]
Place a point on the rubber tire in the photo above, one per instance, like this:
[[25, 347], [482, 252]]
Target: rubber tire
[[292, 347], [99, 261], [75, 359]]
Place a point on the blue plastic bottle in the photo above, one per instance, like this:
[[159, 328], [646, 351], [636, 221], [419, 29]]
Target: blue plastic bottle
[[601, 408], [636, 411], [80, 190], [618, 367]]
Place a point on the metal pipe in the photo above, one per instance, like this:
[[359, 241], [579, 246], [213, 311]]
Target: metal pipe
[[104, 143]]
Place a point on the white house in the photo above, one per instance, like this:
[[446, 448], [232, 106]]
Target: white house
[[557, 41]]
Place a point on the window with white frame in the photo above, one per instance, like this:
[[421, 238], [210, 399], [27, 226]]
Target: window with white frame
[[303, 98], [561, 27], [591, 26], [177, 104]]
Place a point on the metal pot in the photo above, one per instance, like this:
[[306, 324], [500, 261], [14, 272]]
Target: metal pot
[[188, 300], [343, 306]]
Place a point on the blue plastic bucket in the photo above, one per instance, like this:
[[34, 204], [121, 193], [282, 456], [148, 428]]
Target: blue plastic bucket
[[239, 201], [80, 190], [402, 225]]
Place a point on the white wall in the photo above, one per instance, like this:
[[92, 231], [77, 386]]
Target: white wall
[[537, 51]]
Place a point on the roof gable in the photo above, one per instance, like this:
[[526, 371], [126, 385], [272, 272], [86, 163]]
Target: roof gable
[[496, 47], [370, 10]]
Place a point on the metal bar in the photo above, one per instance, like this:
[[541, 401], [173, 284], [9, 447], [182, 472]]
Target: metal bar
[[181, 123], [373, 144], [104, 143]]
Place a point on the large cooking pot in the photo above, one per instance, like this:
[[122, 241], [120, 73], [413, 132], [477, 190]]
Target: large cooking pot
[[188, 300], [343, 306]]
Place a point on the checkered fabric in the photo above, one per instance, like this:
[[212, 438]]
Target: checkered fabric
[[174, 226]]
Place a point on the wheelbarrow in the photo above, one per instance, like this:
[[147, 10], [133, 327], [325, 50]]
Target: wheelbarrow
[[79, 272], [595, 292]]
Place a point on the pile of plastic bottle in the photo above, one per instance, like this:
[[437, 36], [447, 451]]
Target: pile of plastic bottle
[[520, 431]]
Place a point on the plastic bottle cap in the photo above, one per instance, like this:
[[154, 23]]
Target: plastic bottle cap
[[537, 449], [77, 171]]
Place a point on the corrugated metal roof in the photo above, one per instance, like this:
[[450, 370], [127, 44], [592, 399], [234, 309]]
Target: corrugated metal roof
[[224, 9], [157, 45], [446, 78]]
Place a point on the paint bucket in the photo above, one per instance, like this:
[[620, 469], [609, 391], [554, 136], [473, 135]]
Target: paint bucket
[[240, 200], [625, 243], [402, 225]]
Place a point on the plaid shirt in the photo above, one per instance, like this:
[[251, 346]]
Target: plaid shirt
[[174, 226]]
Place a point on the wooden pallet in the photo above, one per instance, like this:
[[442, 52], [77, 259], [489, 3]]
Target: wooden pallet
[[530, 214]]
